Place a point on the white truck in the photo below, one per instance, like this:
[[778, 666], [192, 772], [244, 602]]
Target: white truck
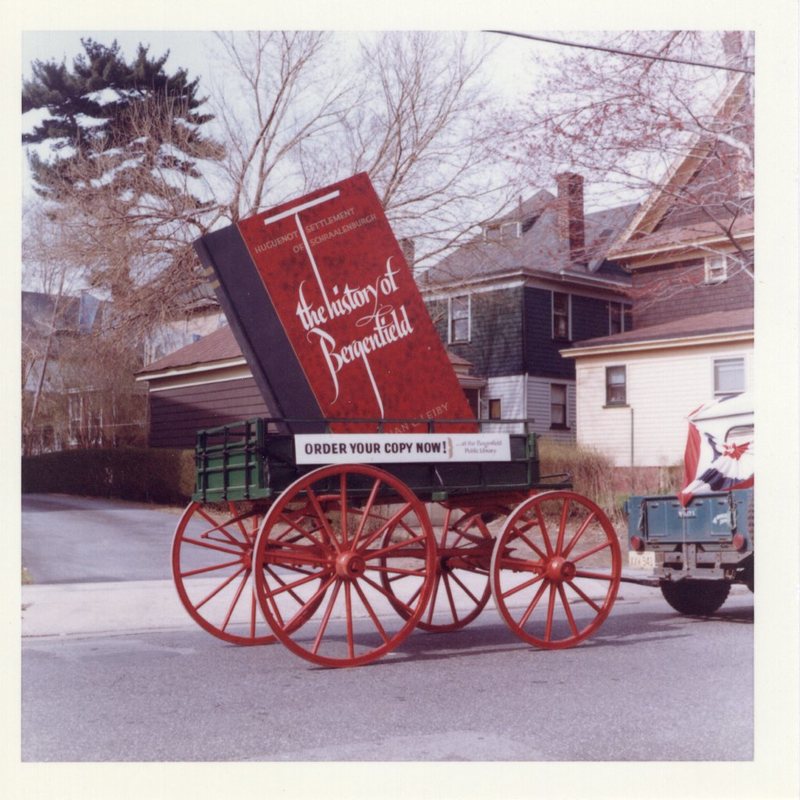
[[702, 538]]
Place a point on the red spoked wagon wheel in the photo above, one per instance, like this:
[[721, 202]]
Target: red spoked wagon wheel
[[461, 586], [322, 551], [212, 564], [556, 569]]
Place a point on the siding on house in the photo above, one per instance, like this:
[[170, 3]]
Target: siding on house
[[178, 412], [529, 398], [679, 290], [663, 388], [495, 344], [539, 407]]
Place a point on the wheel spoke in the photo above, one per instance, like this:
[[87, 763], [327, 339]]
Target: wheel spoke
[[351, 651], [203, 570], [219, 588], [392, 598], [371, 554], [532, 605], [209, 546], [543, 528], [373, 616], [551, 602], [562, 526], [253, 613], [591, 552], [434, 597], [343, 508], [585, 597], [325, 525], [578, 534], [365, 513], [522, 586], [222, 527], [450, 599], [235, 600], [531, 544], [296, 597], [326, 617], [568, 610], [464, 588], [390, 523]]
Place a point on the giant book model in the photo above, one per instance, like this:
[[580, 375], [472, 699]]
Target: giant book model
[[325, 308]]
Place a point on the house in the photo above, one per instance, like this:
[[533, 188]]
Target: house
[[208, 383], [690, 252], [636, 389], [76, 382], [198, 314], [513, 298]]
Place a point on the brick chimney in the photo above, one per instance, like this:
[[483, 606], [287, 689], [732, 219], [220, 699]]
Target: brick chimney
[[569, 207]]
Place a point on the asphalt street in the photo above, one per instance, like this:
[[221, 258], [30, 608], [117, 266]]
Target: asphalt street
[[113, 669]]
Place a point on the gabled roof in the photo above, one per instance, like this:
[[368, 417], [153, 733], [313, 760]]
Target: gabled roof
[[218, 346], [643, 227], [713, 324], [538, 251]]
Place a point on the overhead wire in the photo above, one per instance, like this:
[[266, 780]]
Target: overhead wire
[[628, 53]]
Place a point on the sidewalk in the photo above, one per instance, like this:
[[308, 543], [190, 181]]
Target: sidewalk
[[83, 609]]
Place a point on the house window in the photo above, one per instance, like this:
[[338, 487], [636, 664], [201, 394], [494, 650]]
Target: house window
[[728, 377], [495, 409], [616, 386], [716, 269], [498, 231], [558, 406], [459, 323], [561, 321], [619, 318]]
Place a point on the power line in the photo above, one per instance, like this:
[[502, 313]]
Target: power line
[[623, 52]]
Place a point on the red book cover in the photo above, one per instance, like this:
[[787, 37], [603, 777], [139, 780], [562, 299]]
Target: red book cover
[[351, 315]]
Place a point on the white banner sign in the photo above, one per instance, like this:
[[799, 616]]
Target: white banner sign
[[386, 448]]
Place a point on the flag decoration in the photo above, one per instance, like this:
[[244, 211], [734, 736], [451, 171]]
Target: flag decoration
[[719, 453]]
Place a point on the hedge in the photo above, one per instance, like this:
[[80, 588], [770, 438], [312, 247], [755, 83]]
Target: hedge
[[148, 475]]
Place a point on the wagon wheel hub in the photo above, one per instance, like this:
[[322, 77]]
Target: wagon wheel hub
[[559, 569], [350, 565]]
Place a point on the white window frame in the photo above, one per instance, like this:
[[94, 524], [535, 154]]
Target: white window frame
[[621, 308], [716, 269], [718, 392], [498, 231], [450, 319], [617, 403], [561, 426], [553, 316]]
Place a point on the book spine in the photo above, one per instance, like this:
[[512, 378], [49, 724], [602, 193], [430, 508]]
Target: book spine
[[270, 356]]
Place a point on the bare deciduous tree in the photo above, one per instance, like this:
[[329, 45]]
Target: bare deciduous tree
[[623, 122], [423, 130], [275, 101]]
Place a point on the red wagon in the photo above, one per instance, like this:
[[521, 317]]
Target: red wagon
[[340, 536], [341, 562]]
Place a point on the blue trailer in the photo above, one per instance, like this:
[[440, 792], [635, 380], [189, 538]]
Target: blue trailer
[[702, 538]]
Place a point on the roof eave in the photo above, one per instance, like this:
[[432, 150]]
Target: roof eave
[[668, 342]]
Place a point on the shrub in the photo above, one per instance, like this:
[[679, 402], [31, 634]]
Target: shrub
[[143, 474], [595, 476]]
